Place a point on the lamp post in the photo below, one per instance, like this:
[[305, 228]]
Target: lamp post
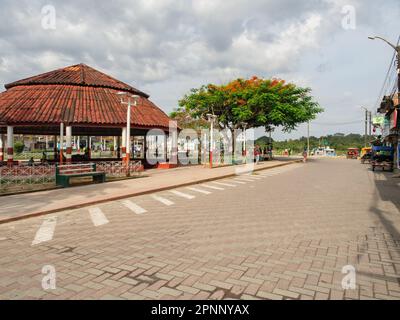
[[128, 120], [397, 50], [211, 118], [244, 125]]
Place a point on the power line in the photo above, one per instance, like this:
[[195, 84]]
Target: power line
[[389, 78], [336, 124]]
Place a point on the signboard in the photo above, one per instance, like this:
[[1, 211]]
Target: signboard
[[393, 120], [378, 121], [386, 127]]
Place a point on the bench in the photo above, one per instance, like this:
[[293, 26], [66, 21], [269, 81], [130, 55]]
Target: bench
[[65, 172]]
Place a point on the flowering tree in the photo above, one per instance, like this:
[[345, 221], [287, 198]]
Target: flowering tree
[[258, 102]]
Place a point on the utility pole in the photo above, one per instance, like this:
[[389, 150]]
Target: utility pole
[[366, 127], [370, 123], [367, 115]]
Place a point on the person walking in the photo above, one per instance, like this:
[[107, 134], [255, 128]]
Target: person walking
[[305, 155], [257, 154]]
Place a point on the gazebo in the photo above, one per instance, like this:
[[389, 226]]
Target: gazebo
[[83, 102]]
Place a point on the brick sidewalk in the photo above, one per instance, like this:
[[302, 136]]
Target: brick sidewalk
[[284, 233], [15, 207]]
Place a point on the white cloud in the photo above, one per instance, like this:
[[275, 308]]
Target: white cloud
[[169, 46]]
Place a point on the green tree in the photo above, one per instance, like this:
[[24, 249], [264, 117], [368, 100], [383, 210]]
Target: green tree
[[18, 147], [258, 102]]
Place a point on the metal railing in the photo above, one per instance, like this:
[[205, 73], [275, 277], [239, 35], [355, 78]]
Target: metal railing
[[119, 168], [22, 177]]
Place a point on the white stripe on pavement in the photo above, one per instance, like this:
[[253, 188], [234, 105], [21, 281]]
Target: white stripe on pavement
[[98, 217], [162, 200], [225, 184], [270, 171], [244, 179], [252, 177], [269, 174], [183, 195], [237, 181], [46, 231], [133, 207], [212, 187], [198, 190]]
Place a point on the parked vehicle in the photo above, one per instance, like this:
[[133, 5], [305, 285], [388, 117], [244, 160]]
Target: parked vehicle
[[366, 158], [324, 152], [330, 152], [353, 153], [382, 157], [366, 155]]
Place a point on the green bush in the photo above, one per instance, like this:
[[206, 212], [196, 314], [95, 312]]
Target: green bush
[[18, 147]]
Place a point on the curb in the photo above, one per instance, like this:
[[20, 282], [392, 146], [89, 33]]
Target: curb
[[135, 194]]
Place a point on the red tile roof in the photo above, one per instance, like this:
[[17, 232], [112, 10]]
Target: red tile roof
[[77, 95], [81, 75]]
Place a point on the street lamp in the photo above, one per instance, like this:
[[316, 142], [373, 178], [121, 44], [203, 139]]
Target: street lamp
[[244, 125], [128, 120], [211, 118], [397, 49]]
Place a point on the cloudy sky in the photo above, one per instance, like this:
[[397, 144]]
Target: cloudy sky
[[166, 47]]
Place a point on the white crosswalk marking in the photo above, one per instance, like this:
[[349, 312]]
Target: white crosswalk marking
[[212, 187], [98, 217], [162, 200], [243, 179], [252, 177], [198, 190], [269, 174], [183, 195], [225, 184], [237, 181], [46, 231], [133, 207]]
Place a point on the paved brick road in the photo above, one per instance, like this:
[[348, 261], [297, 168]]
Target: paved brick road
[[284, 233]]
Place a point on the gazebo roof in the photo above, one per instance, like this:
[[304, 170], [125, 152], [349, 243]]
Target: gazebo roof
[[77, 95], [78, 75]]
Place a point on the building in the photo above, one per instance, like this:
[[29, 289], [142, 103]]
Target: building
[[85, 103], [391, 125]]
